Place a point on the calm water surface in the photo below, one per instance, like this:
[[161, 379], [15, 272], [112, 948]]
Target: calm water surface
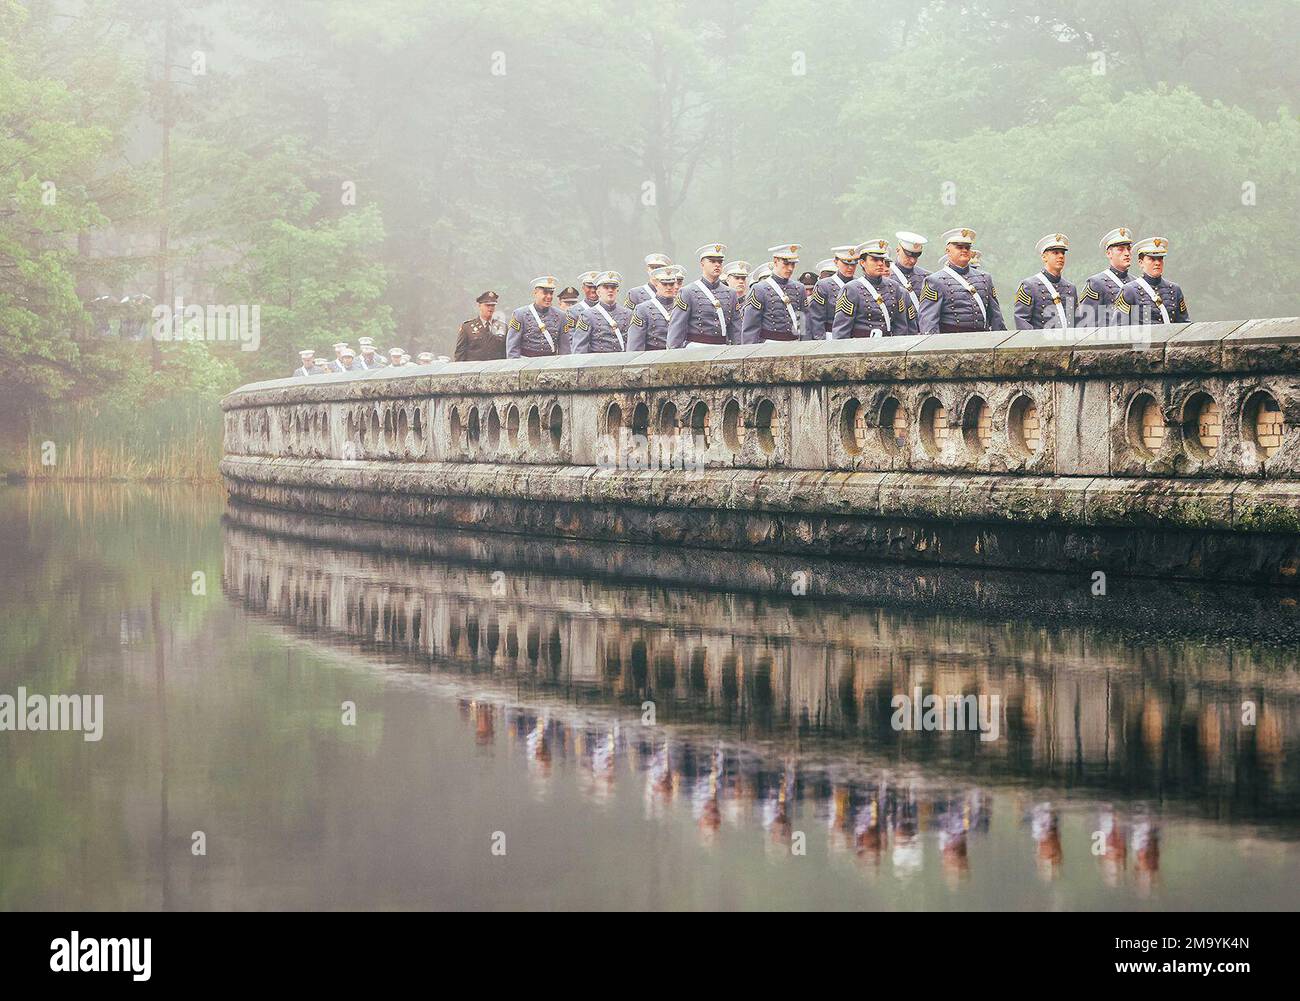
[[502, 691]]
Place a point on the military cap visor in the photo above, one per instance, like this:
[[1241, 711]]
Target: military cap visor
[[712, 250], [913, 243], [487, 297], [1117, 237], [1152, 246], [547, 282], [961, 235], [657, 261]]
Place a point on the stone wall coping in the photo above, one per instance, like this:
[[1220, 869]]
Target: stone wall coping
[[1216, 346]]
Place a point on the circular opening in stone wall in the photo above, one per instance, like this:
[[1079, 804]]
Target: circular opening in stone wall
[[493, 429], [613, 420], [390, 428], [765, 425], [417, 425], [667, 423], [1145, 425], [472, 427], [640, 420], [534, 427], [1023, 429], [403, 427], [1262, 424], [733, 428], [893, 426], [1202, 425], [853, 427], [977, 425], [376, 430], [556, 426], [700, 426], [934, 427], [454, 425], [512, 426]]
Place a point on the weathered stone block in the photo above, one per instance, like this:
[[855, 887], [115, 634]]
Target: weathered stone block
[[1082, 407]]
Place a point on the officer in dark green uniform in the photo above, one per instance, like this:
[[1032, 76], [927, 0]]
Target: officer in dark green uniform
[[483, 338]]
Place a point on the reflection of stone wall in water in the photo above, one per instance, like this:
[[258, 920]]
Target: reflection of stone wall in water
[[1076, 701], [1174, 455]]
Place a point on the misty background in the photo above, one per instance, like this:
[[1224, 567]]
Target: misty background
[[367, 167]]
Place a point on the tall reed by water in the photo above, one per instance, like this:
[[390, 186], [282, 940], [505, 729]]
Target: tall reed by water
[[189, 459]]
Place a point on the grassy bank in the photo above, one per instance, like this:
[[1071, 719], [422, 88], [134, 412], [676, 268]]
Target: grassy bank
[[191, 459]]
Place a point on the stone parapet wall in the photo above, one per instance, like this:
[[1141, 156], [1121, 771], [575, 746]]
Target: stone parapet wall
[[1210, 400], [899, 447]]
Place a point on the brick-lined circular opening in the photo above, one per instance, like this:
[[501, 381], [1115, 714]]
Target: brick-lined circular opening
[[733, 427], [977, 425], [472, 428], [893, 426], [667, 423], [934, 427], [613, 420], [701, 430], [512, 426], [1024, 430], [555, 424], [455, 427], [1202, 425], [493, 429], [1262, 424], [1145, 425], [853, 427], [640, 420], [534, 427], [765, 425]]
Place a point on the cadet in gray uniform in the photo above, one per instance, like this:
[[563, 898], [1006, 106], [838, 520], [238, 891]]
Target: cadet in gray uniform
[[821, 306], [773, 305], [603, 327], [589, 298], [905, 269], [541, 329], [706, 310], [958, 298], [1047, 299], [641, 293], [369, 359], [737, 275], [874, 305], [1148, 298], [308, 366], [1099, 291], [650, 319]]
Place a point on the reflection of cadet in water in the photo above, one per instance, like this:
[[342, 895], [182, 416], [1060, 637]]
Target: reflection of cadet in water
[[1146, 853], [1046, 826], [705, 805], [481, 713], [953, 828], [777, 808], [903, 827], [868, 831], [839, 822], [659, 781], [538, 744], [1114, 856]]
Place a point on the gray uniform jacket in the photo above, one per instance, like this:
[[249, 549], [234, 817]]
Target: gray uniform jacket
[[1134, 305], [649, 327], [638, 295], [1036, 303], [695, 321], [946, 306], [525, 340], [1098, 296], [911, 282], [594, 334], [821, 307], [767, 316], [858, 315]]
